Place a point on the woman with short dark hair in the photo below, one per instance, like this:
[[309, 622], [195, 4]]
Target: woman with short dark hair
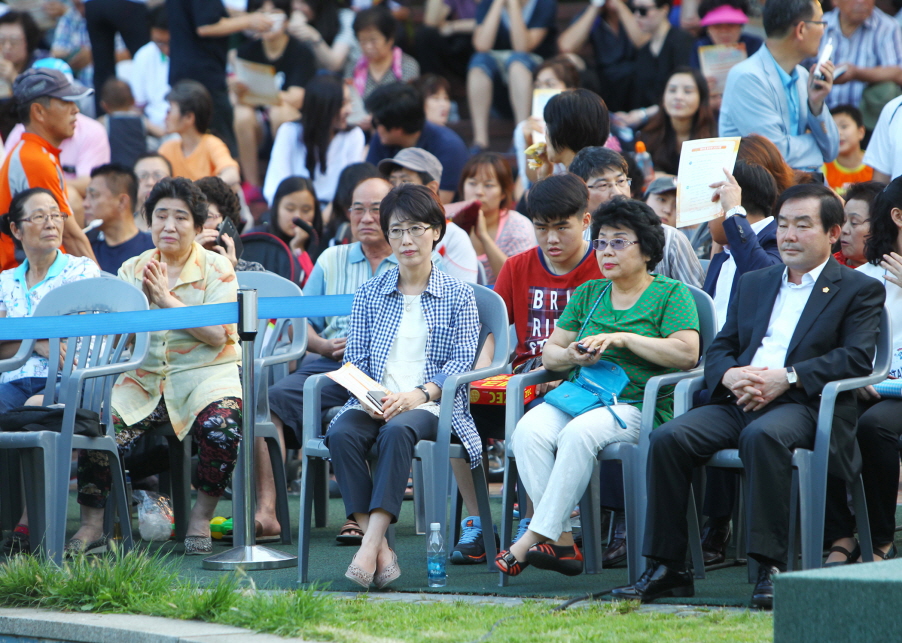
[[646, 324], [190, 377], [222, 204], [410, 328]]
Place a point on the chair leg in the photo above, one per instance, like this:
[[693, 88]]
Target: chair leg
[[812, 495], [281, 482], [309, 476], [121, 504], [180, 472], [11, 503], [861, 519], [590, 522], [485, 515], [56, 464], [792, 557], [507, 507], [39, 472], [695, 538], [320, 474], [419, 502], [634, 557]]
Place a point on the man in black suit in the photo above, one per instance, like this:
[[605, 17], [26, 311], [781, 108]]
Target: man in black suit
[[789, 331], [748, 235]]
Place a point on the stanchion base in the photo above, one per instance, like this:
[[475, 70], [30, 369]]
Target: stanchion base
[[250, 558]]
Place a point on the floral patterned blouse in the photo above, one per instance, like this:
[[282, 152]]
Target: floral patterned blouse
[[186, 372], [18, 300]]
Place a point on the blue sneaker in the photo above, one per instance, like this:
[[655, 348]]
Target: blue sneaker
[[470, 549], [522, 527]]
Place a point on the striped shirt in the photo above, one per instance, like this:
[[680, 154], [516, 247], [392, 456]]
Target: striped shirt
[[679, 262], [341, 270], [449, 308], [877, 42]]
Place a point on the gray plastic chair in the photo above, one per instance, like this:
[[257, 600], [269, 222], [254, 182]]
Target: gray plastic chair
[[809, 474], [270, 363], [434, 456], [632, 456], [83, 383]]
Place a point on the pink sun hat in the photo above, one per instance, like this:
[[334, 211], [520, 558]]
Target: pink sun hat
[[724, 15]]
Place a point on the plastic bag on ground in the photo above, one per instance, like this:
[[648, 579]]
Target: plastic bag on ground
[[155, 517]]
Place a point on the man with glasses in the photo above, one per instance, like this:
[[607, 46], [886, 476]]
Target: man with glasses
[[110, 199], [772, 95], [47, 109], [417, 166]]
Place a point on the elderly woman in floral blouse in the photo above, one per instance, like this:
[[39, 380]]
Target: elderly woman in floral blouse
[[411, 328], [190, 377]]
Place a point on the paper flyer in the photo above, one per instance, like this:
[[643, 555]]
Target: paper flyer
[[358, 383], [262, 88], [701, 163]]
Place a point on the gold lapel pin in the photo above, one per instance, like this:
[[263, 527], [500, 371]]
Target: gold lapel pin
[[826, 289]]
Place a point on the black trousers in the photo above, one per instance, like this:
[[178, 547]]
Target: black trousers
[[222, 124], [350, 439], [879, 429], [105, 18], [443, 55], [286, 397], [765, 440]]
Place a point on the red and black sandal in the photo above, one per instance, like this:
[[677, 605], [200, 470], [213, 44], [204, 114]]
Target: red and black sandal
[[512, 566], [561, 559]]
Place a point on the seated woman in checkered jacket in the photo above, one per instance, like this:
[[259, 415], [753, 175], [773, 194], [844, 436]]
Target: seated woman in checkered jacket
[[410, 328]]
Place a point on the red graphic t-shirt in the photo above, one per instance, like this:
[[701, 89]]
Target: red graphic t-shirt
[[536, 297]]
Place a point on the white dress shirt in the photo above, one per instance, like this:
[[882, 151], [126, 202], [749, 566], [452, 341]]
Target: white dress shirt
[[784, 318], [724, 287]]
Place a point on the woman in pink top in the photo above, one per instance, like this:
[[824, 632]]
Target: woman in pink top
[[499, 232]]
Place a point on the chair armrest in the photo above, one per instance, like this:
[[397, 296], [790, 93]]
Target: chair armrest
[[516, 388], [828, 406], [313, 406], [26, 348], [650, 398], [452, 382], [296, 349], [685, 390]]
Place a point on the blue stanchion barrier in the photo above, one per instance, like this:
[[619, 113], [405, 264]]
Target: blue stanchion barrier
[[170, 319]]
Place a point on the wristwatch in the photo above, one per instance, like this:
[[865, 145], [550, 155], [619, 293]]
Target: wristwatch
[[425, 390], [737, 210], [791, 376]]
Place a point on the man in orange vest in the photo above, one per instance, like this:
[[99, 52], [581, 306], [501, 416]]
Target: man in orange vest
[[46, 106]]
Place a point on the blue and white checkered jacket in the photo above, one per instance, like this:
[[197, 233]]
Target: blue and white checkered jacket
[[450, 311]]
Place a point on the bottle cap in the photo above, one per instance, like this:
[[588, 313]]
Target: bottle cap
[[640, 147], [435, 526]]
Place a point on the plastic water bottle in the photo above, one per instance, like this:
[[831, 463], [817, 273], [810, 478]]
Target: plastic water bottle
[[643, 160], [435, 556]]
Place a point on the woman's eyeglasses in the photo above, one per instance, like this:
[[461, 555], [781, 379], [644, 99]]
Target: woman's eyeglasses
[[616, 244], [41, 217], [414, 231]]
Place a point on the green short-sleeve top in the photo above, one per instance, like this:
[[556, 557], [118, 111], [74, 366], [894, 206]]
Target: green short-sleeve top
[[664, 308]]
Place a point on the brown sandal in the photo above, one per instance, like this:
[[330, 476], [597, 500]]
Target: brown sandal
[[350, 534]]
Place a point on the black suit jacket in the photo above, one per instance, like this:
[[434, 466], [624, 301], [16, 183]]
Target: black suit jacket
[[835, 339], [749, 251]]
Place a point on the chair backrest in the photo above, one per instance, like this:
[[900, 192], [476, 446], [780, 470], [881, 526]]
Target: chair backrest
[[883, 358], [269, 284], [90, 354], [492, 320], [481, 278], [707, 320], [270, 251]]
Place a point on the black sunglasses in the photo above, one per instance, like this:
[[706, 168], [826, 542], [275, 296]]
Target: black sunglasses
[[642, 11]]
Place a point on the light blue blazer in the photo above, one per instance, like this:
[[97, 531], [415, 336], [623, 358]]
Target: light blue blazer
[[754, 102]]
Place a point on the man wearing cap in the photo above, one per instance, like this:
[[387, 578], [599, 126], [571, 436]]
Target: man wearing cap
[[46, 107], [771, 94], [661, 197], [417, 166], [867, 44]]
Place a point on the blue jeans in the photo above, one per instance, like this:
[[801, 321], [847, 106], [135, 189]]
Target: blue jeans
[[15, 393]]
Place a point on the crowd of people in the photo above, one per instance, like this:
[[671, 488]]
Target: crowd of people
[[143, 136]]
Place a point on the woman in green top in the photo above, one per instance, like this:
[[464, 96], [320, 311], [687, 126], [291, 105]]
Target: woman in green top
[[645, 323]]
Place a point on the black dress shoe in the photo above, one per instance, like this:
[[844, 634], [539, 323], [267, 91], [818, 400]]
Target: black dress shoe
[[715, 536], [615, 553], [763, 596], [658, 581]]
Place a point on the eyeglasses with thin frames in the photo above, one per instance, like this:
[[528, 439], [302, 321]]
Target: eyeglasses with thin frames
[[607, 185], [359, 210], [42, 216], [414, 231], [616, 244]]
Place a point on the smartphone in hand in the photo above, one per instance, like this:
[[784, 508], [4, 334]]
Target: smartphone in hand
[[227, 228], [376, 398]]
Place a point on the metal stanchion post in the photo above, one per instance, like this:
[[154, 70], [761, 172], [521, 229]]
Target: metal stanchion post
[[251, 556]]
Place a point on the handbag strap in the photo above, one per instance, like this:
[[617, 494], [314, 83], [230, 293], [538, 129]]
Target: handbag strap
[[592, 312]]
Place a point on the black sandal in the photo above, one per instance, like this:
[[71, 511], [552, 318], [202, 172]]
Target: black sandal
[[350, 534], [512, 566], [888, 555], [561, 559], [851, 556]]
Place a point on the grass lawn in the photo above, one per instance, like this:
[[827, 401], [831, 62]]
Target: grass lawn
[[139, 583]]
